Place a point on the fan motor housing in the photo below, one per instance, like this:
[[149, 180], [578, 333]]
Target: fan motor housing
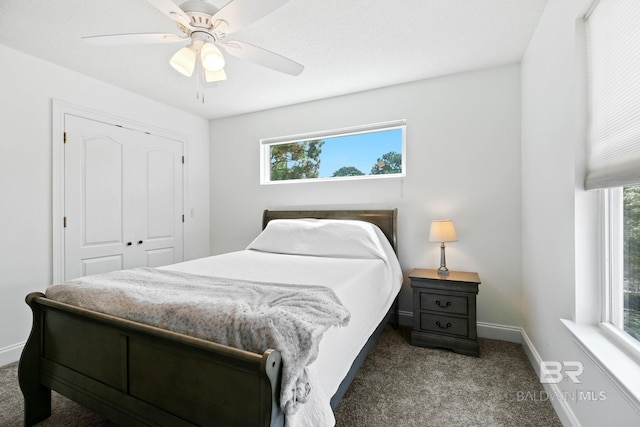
[[199, 12]]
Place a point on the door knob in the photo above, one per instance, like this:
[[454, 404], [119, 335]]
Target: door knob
[[140, 242], [129, 243]]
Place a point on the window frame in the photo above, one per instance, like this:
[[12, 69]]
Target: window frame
[[613, 301], [266, 143], [612, 322]]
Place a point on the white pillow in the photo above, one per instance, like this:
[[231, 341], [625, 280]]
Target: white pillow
[[323, 237]]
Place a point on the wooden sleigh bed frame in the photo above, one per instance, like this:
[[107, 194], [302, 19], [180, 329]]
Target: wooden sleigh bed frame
[[135, 374]]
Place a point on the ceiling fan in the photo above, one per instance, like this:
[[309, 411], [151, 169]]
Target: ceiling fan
[[206, 28]]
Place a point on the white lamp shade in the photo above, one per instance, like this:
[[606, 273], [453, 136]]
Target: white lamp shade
[[442, 230], [211, 57], [214, 76], [184, 61]]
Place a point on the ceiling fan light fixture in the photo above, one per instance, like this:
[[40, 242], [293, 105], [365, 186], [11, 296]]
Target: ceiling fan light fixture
[[184, 61], [214, 76], [211, 57]]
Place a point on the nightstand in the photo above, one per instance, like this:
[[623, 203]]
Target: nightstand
[[444, 310]]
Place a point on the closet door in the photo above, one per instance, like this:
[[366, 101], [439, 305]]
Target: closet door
[[153, 194], [122, 198]]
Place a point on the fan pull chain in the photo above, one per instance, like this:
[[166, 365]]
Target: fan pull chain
[[199, 91], [198, 88], [199, 79]]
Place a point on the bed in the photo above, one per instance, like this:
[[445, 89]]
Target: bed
[[137, 374]]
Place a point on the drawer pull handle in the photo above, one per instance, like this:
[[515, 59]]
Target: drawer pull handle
[[443, 327], [443, 305]]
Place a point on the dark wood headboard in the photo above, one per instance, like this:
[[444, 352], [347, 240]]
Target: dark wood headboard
[[385, 219]]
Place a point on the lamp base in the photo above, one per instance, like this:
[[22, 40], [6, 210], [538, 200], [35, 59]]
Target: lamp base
[[443, 271]]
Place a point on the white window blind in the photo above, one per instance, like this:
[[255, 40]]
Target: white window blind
[[613, 45]]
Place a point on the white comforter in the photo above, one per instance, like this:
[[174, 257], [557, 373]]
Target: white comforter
[[353, 258], [366, 287]]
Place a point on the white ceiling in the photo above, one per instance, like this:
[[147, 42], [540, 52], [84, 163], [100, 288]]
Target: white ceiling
[[346, 46]]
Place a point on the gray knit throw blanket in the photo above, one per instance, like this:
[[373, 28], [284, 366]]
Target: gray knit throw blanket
[[247, 315]]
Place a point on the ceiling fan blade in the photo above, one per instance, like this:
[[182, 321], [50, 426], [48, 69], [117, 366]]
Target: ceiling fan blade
[[172, 10], [139, 38], [262, 57], [238, 14]]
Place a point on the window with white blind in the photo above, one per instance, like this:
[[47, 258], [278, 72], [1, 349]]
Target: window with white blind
[[613, 49], [613, 45]]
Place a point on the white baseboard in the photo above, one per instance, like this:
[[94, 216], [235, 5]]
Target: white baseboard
[[566, 415], [494, 331], [11, 354]]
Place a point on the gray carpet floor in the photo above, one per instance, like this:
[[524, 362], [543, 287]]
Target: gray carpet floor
[[398, 385]]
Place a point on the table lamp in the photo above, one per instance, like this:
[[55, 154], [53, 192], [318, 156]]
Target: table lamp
[[442, 231]]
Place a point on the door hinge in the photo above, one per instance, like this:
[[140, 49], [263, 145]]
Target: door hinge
[[182, 217], [64, 138], [64, 222], [183, 160]]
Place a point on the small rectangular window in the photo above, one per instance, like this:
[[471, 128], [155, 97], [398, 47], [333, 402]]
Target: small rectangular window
[[370, 151]]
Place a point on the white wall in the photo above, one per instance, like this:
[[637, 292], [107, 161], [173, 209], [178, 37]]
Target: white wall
[[559, 231], [463, 162], [27, 87]]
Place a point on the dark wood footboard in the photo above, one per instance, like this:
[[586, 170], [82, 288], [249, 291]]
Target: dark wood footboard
[[140, 375]]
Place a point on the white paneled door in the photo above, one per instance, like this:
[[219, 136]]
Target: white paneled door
[[122, 198]]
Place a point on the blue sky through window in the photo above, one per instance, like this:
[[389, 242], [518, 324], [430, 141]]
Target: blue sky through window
[[361, 150]]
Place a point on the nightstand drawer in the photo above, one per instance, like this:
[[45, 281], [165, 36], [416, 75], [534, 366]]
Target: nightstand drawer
[[444, 324], [444, 303]]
